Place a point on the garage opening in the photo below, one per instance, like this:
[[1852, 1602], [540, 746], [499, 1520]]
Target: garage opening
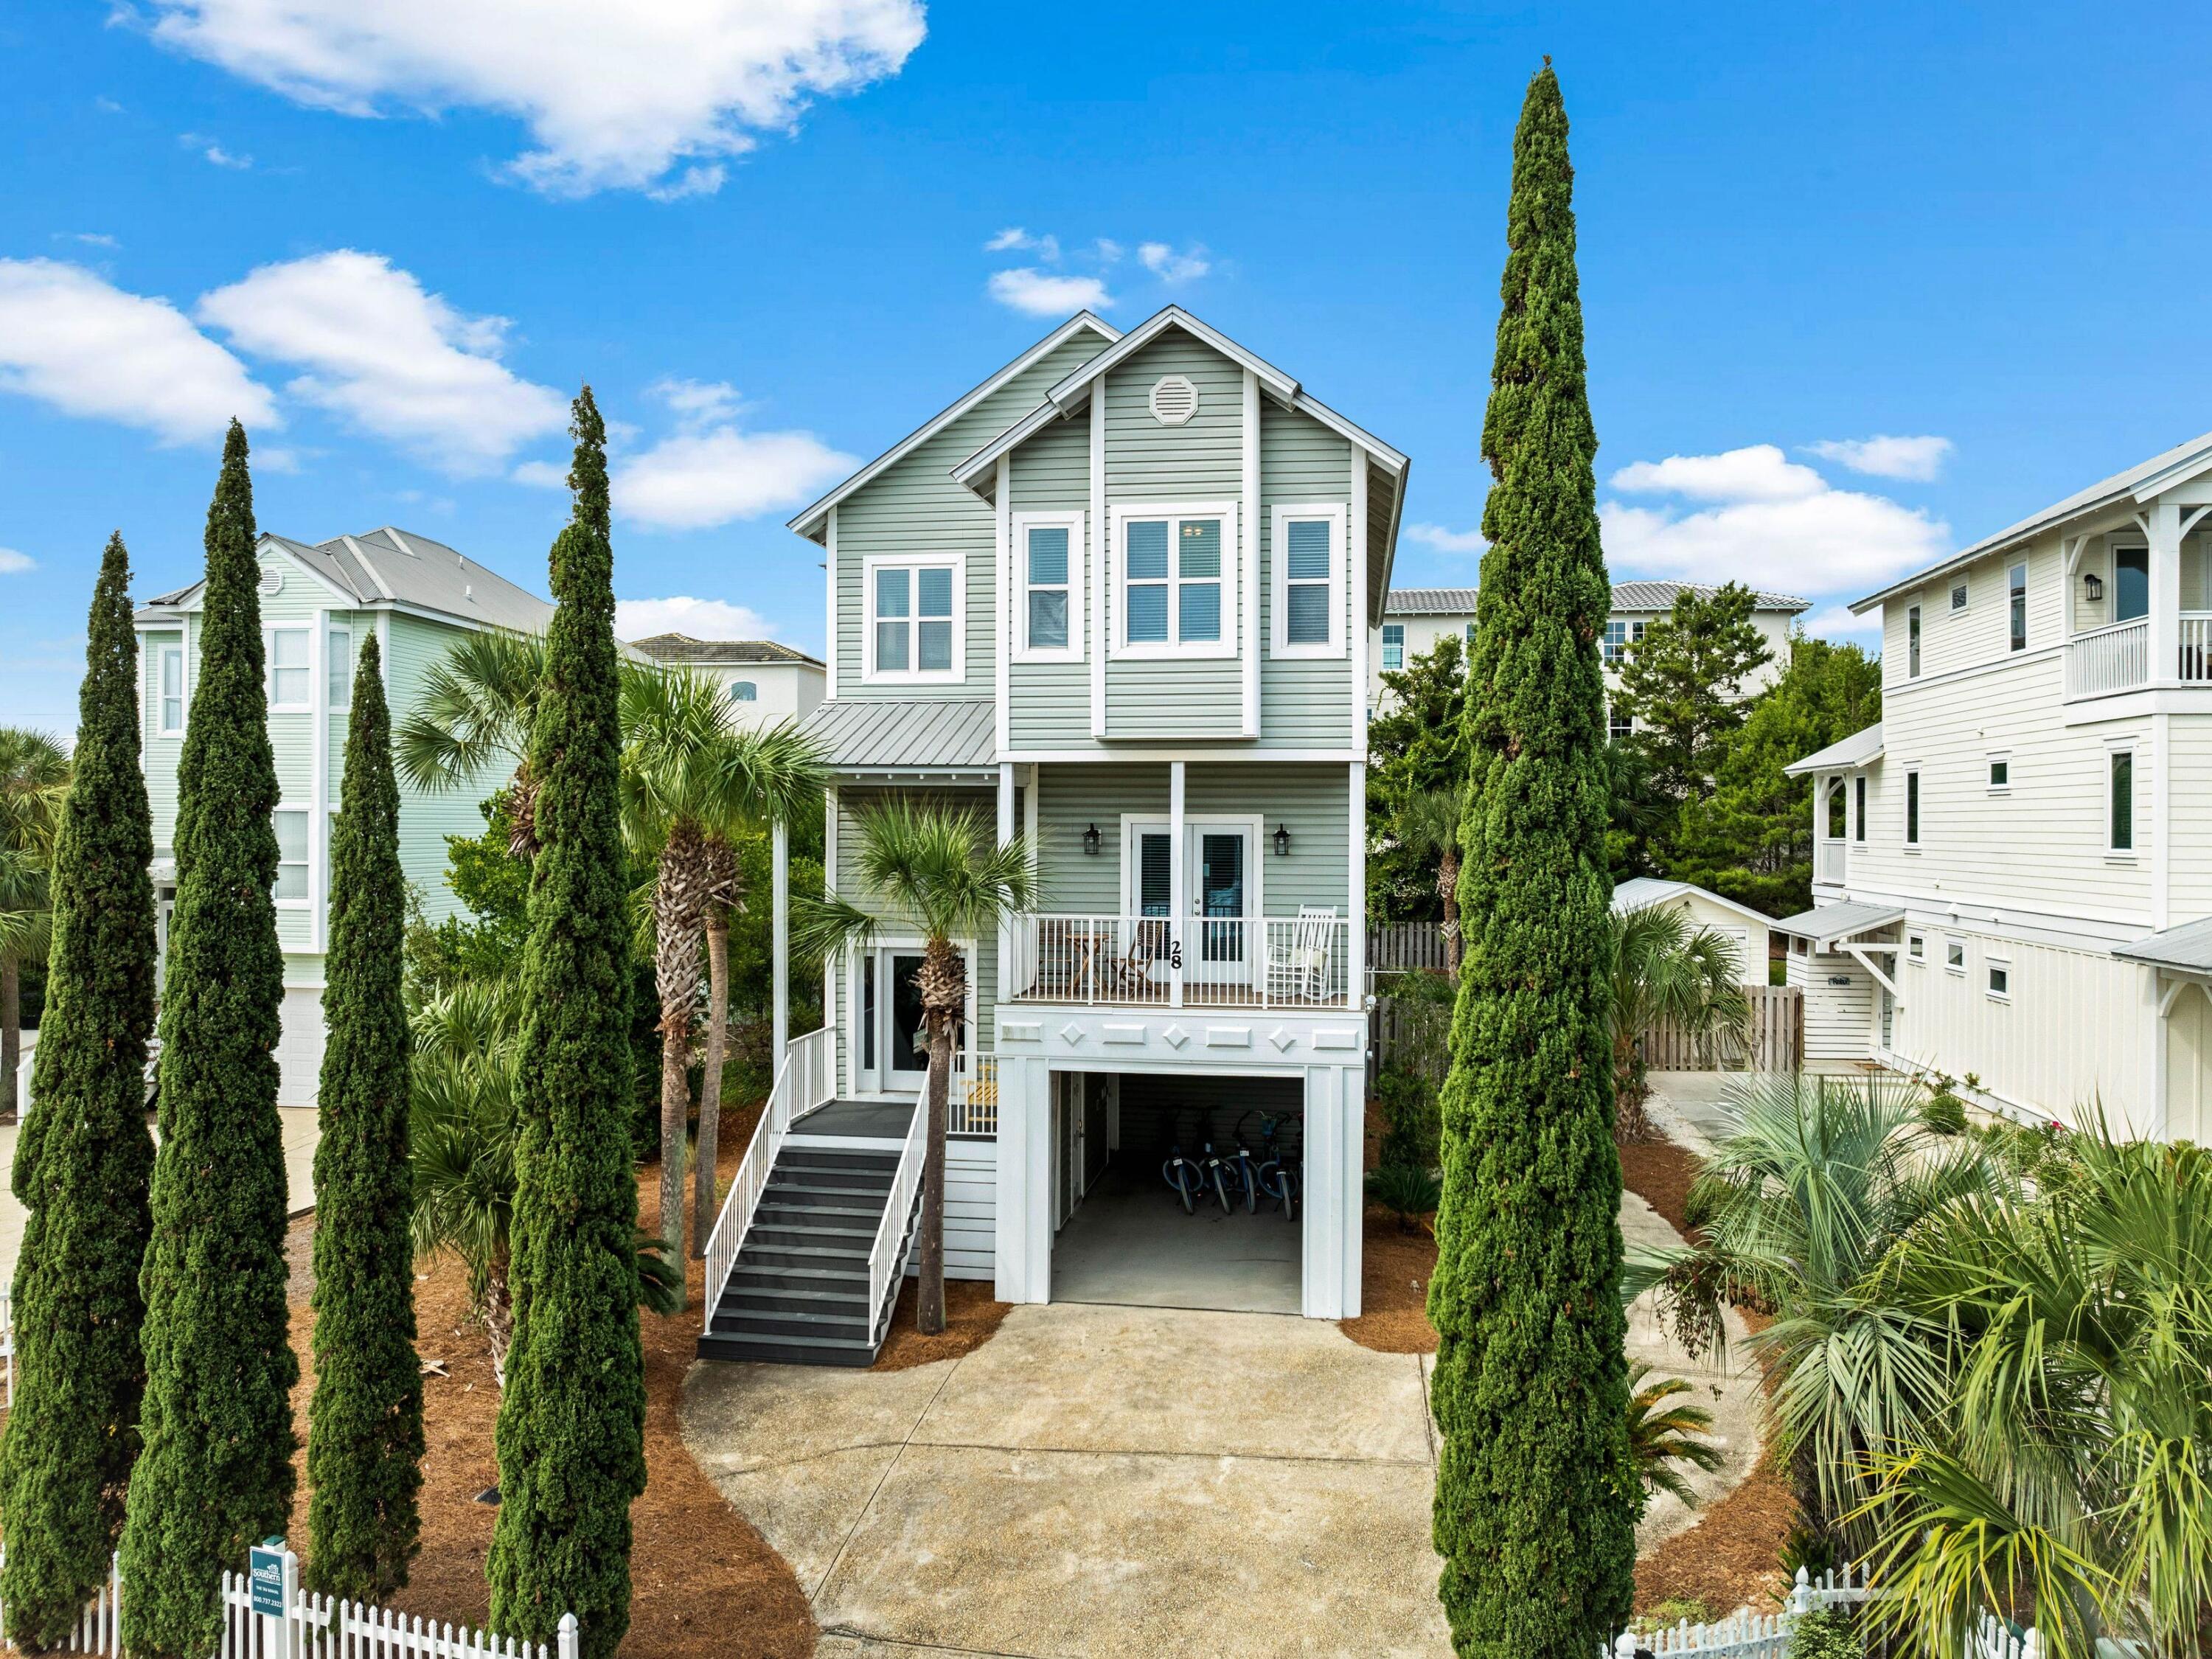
[[1122, 1232]]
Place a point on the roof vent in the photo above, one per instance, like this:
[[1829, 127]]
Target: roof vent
[[273, 581], [1174, 400]]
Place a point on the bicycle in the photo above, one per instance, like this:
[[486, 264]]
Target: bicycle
[[1182, 1175], [1278, 1174], [1244, 1170], [1215, 1174]]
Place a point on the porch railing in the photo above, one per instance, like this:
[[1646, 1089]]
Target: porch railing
[[2195, 667], [1830, 855], [972, 1108], [887, 1255], [2115, 659], [805, 1079], [1271, 962]]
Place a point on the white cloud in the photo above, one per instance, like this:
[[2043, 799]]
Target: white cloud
[[707, 475], [1772, 524], [541, 475], [1446, 540], [1014, 239], [70, 339], [13, 563], [1837, 620], [214, 152], [614, 97], [91, 238], [696, 400], [1108, 250], [702, 619], [1041, 293], [1171, 267], [694, 180], [388, 357], [1918, 459]]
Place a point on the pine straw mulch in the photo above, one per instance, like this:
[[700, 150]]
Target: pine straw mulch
[[1728, 1558], [705, 1584]]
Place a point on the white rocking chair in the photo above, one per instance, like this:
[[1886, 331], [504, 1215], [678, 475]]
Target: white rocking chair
[[1300, 968]]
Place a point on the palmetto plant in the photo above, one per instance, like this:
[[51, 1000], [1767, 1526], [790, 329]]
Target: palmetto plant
[[1664, 1429], [2066, 1475], [1809, 1202], [1428, 825], [692, 779], [933, 868], [34, 774], [475, 713], [1667, 972]]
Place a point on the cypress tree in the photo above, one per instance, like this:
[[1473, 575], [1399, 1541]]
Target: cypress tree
[[215, 1474], [571, 1434], [82, 1161], [365, 1426], [1536, 1496]]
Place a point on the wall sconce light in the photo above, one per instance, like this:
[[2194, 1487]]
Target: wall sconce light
[[1282, 841], [2092, 589], [1091, 840]]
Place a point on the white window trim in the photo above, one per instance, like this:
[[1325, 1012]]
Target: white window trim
[[161, 726], [1960, 966], [1916, 949], [1995, 758], [2027, 622], [1278, 584], [1074, 524], [2123, 854], [340, 704], [1906, 805], [1995, 965], [1915, 612], [1134, 824], [268, 667], [1120, 649], [1390, 667], [957, 674], [306, 810]]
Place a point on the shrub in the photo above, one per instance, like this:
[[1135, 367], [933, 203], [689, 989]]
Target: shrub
[[1674, 1610], [1945, 1113], [1826, 1633], [1411, 1125], [1407, 1191]]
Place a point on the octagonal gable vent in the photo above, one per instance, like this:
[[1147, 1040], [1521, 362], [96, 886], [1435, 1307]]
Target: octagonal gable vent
[[273, 581], [1174, 400]]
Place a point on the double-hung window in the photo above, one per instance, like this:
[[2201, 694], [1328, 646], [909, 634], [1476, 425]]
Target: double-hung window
[[291, 827], [1393, 647], [1178, 581], [1308, 591], [172, 690], [1617, 725], [1616, 640], [288, 683], [1049, 578], [338, 657], [915, 617], [2016, 589]]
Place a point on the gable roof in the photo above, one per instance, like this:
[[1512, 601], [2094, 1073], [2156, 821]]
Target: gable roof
[[1642, 892], [2137, 484], [392, 569], [1626, 595], [682, 647], [811, 520]]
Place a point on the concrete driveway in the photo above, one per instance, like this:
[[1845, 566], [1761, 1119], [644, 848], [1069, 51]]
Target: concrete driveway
[[1096, 1480]]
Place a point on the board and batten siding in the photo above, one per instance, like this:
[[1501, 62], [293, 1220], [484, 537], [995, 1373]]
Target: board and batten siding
[[1839, 1003], [915, 507]]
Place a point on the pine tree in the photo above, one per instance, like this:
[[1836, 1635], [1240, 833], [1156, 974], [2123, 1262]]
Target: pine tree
[[215, 1476], [1683, 685], [365, 1427], [1536, 1495], [571, 1435], [1420, 744], [82, 1161]]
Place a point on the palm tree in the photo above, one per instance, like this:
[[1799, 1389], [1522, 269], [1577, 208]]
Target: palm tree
[[33, 777], [1665, 972], [476, 709], [1660, 1435], [934, 867], [692, 781], [2066, 1475], [1428, 826]]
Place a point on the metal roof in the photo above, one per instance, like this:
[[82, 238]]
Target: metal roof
[[1626, 595], [907, 734], [1827, 923], [390, 567], [2180, 460], [1861, 748], [1642, 892], [682, 647], [2187, 948]]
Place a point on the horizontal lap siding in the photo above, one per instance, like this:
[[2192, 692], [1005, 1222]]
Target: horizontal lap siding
[[915, 506], [427, 817], [1071, 798], [1050, 706], [2191, 763], [851, 803], [1304, 703], [162, 754], [1982, 633], [971, 1209]]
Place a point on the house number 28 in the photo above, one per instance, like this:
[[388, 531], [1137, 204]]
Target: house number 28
[[1175, 955]]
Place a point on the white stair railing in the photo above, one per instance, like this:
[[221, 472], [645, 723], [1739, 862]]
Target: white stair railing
[[1745, 1634], [973, 1106], [887, 1255], [807, 1078]]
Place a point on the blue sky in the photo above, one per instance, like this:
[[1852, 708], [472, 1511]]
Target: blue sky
[[764, 234]]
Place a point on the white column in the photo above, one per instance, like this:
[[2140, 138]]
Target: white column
[[1005, 587], [1178, 876], [2162, 525], [1320, 1241], [1006, 924], [1355, 944], [1249, 640], [1023, 1225], [780, 940], [829, 596], [1101, 530], [1352, 1234]]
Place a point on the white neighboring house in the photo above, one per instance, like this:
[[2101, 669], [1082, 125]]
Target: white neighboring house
[[1746, 929], [2013, 871], [767, 682], [1415, 618]]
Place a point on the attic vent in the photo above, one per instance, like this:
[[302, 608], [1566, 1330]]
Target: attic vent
[[1174, 400], [273, 581]]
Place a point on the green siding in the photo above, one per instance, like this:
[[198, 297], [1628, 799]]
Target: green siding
[[1050, 702], [162, 754], [915, 506], [1304, 703], [416, 644]]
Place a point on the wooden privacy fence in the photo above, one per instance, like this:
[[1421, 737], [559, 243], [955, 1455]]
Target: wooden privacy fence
[[1402, 947], [1773, 1042]]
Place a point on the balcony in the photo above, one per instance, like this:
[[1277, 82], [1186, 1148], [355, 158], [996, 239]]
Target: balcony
[[1302, 961], [2108, 660], [1828, 862]]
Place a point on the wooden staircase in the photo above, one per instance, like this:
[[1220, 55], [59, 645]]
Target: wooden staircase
[[798, 1292]]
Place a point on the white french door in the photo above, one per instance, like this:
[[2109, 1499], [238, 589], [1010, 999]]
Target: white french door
[[894, 1056], [1218, 946]]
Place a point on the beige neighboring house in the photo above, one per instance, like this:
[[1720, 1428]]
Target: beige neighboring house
[[1415, 618], [1745, 928], [766, 682]]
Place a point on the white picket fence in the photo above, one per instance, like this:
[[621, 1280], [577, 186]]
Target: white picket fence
[[1747, 1635], [1995, 1640], [314, 1627]]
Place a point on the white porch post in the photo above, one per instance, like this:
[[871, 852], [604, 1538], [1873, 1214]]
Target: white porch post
[[1355, 944], [1022, 1255], [1178, 880], [1007, 832], [2161, 524], [1328, 1161], [780, 940]]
